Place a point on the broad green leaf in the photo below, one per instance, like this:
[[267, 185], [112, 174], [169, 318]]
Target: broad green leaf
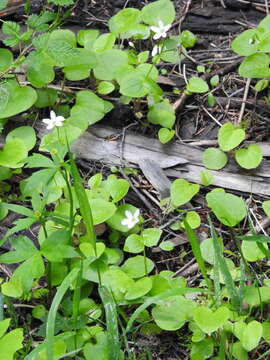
[[104, 42], [158, 10], [139, 289], [206, 177], [88, 250], [133, 244], [210, 321], [46, 98], [214, 159], [151, 236], [124, 20], [182, 192], [255, 66], [137, 266], [255, 295], [24, 249], [162, 114], [197, 85], [12, 288], [193, 219], [105, 87], [165, 314], [11, 343], [229, 136], [102, 210], [20, 98], [250, 157], [245, 44], [26, 134], [167, 245], [6, 57], [99, 348], [249, 335], [188, 39], [251, 251], [4, 324], [117, 281], [165, 135], [203, 350], [13, 153], [228, 208], [108, 63], [86, 38]]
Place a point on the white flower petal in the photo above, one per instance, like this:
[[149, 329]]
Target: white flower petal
[[47, 121], [155, 29], [156, 36], [137, 213], [52, 115], [154, 51], [125, 222], [50, 126], [128, 214], [160, 23]]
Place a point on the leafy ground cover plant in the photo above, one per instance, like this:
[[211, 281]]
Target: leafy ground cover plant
[[93, 290]]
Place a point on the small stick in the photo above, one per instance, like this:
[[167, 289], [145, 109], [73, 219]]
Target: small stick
[[243, 106]]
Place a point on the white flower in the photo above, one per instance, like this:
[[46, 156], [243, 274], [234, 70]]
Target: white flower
[[53, 121], [156, 50], [160, 30], [131, 219]]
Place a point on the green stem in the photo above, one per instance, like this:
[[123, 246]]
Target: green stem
[[145, 263]]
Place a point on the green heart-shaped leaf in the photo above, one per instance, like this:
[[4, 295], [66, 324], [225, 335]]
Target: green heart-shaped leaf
[[249, 335], [214, 159], [19, 99], [14, 151], [182, 192], [229, 136], [210, 321], [249, 158]]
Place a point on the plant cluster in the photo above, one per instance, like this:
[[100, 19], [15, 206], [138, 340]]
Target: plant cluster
[[91, 252]]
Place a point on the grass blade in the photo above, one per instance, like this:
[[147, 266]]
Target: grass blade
[[224, 268], [197, 253], [111, 322], [83, 202], [53, 310]]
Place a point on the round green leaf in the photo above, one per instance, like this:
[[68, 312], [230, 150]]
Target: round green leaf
[[18, 98], [252, 252], [214, 159], [6, 57], [182, 192], [255, 66], [102, 210], [26, 134], [105, 87], [139, 289], [104, 42], [228, 208], [245, 44], [151, 236], [14, 151], [210, 321], [135, 266], [193, 219], [165, 314], [188, 39], [165, 135], [197, 85], [162, 114], [167, 245], [206, 177], [108, 63], [158, 10], [249, 158], [134, 244], [124, 20], [229, 136]]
